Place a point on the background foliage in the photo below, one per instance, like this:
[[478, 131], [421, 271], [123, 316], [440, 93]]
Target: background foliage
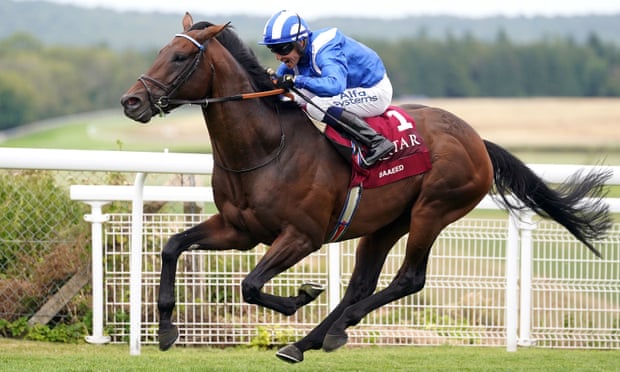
[[41, 247], [59, 59], [41, 81], [61, 24], [468, 67]]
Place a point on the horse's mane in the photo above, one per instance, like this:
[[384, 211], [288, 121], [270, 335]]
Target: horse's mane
[[244, 55]]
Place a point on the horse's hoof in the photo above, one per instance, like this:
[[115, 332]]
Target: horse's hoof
[[291, 354], [313, 290], [333, 342], [167, 337]]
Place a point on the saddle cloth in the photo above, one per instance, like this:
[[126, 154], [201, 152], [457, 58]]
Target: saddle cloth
[[410, 156]]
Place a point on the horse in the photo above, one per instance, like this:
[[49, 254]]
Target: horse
[[277, 180]]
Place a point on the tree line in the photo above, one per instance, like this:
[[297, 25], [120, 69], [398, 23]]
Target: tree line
[[467, 67], [39, 81]]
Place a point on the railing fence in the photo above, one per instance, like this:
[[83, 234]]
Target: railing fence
[[490, 282]]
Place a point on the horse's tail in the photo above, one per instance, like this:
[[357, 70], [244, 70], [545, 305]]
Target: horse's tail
[[576, 204]]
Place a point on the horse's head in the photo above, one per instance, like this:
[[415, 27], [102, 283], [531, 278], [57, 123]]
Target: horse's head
[[178, 73]]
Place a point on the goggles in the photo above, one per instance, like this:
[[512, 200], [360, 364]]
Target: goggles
[[282, 48]]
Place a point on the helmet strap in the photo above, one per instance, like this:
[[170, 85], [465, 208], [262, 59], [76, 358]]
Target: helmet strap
[[301, 45], [298, 26]]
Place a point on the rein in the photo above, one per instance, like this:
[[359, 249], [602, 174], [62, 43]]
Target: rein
[[236, 97]]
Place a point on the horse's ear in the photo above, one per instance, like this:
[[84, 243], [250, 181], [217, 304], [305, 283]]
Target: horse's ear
[[187, 21], [218, 28]]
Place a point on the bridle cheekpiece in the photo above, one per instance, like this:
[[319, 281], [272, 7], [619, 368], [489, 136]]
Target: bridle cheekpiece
[[163, 102]]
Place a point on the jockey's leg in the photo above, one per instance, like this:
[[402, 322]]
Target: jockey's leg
[[354, 127]]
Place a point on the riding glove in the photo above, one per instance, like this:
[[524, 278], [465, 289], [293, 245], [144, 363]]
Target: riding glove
[[285, 81]]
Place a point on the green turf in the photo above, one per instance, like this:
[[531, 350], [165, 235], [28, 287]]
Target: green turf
[[39, 356], [108, 130]]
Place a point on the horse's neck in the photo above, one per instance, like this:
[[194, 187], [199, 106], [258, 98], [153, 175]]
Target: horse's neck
[[242, 132], [246, 132]]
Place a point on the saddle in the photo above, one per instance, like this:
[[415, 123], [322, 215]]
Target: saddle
[[410, 156]]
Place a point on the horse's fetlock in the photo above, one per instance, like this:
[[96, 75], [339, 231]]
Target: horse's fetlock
[[163, 304], [414, 283], [250, 292]]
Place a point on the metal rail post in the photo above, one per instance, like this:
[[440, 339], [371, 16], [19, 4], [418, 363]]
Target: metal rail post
[[135, 264], [96, 218], [526, 226], [512, 283]]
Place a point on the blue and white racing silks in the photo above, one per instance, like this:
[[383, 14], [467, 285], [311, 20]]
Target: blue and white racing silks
[[335, 62]]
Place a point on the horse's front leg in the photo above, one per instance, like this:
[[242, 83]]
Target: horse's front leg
[[290, 247], [214, 233]]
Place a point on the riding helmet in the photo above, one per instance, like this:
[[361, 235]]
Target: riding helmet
[[284, 27]]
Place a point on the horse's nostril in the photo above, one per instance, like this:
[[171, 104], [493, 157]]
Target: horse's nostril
[[130, 101]]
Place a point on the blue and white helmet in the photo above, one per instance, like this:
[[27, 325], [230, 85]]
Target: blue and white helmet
[[284, 27]]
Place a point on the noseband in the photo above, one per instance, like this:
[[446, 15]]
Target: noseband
[[163, 102]]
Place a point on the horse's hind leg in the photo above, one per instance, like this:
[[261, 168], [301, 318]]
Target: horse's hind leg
[[460, 178], [410, 279], [211, 234], [369, 258], [428, 218]]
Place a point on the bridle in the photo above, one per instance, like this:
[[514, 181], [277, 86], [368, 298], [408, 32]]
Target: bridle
[[163, 103]]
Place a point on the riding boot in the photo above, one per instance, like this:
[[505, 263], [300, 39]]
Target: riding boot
[[351, 125]]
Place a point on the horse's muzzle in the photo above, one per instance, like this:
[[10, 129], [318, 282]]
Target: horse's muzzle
[[135, 108]]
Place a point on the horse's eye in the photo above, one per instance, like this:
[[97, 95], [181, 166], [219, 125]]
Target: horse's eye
[[179, 58]]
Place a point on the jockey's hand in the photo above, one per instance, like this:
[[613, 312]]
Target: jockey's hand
[[272, 74], [285, 82]]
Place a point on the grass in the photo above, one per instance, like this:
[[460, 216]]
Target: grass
[[16, 355], [181, 131]]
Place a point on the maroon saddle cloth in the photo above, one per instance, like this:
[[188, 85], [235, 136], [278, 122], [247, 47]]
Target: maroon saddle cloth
[[410, 155]]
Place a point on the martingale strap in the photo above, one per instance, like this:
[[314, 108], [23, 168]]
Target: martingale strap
[[350, 206]]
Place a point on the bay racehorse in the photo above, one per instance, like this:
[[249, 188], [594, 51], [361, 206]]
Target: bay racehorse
[[277, 180]]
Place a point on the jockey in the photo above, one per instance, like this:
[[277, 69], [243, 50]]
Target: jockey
[[345, 79]]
